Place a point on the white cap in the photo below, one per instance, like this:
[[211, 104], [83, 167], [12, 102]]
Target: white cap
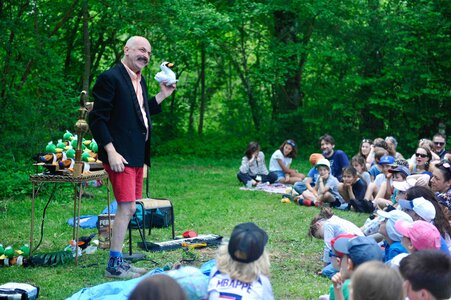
[[422, 207], [323, 162]]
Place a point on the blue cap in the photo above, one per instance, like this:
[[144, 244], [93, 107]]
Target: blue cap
[[359, 249], [387, 160], [400, 169]]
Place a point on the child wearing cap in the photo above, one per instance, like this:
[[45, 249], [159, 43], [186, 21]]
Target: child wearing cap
[[422, 209], [356, 251], [440, 220], [326, 187], [242, 266], [387, 194], [310, 180], [280, 163], [326, 226], [375, 168], [385, 163], [427, 275], [392, 239], [376, 281]]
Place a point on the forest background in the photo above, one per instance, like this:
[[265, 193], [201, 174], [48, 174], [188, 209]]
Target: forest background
[[248, 70]]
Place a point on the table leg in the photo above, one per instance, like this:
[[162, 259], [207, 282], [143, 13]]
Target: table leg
[[32, 220], [77, 224]]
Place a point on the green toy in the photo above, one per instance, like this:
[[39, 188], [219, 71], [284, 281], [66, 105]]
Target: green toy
[[68, 136], [50, 148], [9, 252], [25, 250], [70, 153]]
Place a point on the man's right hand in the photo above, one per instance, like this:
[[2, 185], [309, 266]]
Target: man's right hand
[[116, 161]]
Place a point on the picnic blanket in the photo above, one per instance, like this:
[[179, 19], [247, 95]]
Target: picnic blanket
[[275, 188], [194, 282]]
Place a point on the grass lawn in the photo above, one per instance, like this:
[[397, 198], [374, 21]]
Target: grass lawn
[[206, 198]]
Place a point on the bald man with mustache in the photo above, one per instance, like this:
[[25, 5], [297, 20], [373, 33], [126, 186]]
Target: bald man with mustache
[[121, 125]]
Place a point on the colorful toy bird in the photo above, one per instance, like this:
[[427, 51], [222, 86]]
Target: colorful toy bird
[[166, 75]]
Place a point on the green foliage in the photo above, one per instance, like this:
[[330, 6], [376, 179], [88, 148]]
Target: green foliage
[[14, 181], [265, 70]]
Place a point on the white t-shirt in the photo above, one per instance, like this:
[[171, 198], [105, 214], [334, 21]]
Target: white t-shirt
[[221, 286], [333, 227], [274, 164], [380, 179]]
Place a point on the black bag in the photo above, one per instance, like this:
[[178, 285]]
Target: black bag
[[20, 291], [362, 205]]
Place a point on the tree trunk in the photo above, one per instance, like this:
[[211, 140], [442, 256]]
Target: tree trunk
[[202, 88]]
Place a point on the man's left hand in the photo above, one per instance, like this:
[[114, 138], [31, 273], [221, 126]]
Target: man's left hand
[[165, 91]]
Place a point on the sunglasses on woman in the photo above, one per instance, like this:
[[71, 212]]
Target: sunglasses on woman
[[421, 155]]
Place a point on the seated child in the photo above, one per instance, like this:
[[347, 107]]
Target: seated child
[[376, 169], [326, 188], [253, 168], [326, 226], [352, 188], [385, 164], [242, 266], [281, 161], [427, 275], [158, 287], [416, 236], [358, 162], [392, 239], [310, 180], [357, 251], [376, 281], [387, 194]]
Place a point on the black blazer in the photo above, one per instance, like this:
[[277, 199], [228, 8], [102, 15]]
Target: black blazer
[[117, 118]]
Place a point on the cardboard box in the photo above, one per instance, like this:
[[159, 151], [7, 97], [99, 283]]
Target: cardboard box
[[105, 230]]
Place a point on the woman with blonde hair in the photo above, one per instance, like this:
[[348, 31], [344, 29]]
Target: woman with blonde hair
[[242, 266]]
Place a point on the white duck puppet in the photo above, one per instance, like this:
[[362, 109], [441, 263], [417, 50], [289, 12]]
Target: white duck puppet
[[166, 74]]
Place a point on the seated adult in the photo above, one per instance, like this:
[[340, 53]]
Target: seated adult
[[441, 184], [338, 159], [439, 141], [253, 168]]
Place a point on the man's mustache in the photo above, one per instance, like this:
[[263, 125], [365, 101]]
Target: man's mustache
[[144, 59]]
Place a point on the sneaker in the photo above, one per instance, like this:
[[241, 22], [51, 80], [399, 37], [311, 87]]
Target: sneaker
[[120, 272], [132, 268]]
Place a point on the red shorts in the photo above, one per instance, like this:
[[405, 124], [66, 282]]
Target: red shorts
[[127, 185]]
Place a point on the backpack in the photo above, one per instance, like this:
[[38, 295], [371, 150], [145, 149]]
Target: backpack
[[162, 217], [362, 205]]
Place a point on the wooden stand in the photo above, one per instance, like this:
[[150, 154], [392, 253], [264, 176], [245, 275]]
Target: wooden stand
[[77, 181]]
